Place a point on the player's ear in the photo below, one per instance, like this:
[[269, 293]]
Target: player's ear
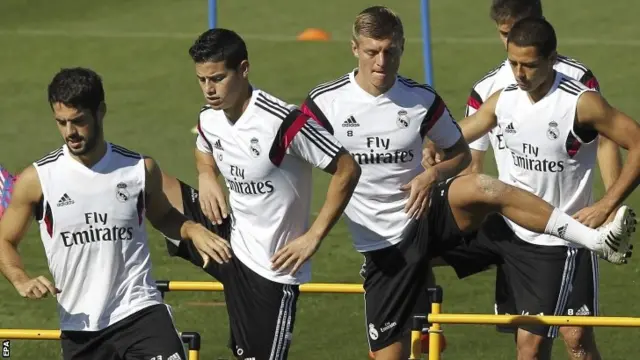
[[102, 111], [354, 47], [553, 57], [244, 68]]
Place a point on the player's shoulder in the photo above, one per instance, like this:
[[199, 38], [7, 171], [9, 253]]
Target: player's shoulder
[[269, 106], [571, 67], [490, 78], [413, 86], [425, 94], [510, 88], [568, 84], [121, 151], [50, 158], [330, 89]]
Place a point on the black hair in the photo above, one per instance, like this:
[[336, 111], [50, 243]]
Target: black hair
[[80, 88], [217, 45], [503, 10], [536, 32]]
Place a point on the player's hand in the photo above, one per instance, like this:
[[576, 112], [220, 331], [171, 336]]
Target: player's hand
[[209, 245], [419, 188], [595, 215], [36, 288], [212, 199], [431, 155], [295, 253]]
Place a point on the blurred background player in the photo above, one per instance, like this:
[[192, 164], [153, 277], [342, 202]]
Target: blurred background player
[[579, 342], [6, 188], [265, 149], [399, 213], [551, 125], [90, 198]]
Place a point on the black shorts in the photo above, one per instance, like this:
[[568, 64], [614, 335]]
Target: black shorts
[[146, 334], [395, 277], [261, 312], [531, 279]]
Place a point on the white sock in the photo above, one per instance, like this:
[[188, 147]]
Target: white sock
[[567, 228]]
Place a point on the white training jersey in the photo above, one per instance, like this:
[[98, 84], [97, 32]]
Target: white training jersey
[[385, 136], [550, 157], [266, 159], [499, 78], [93, 231]]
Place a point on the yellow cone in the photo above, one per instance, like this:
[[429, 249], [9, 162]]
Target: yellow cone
[[313, 34]]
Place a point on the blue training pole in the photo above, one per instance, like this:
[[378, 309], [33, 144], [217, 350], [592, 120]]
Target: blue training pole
[[426, 42], [213, 12]]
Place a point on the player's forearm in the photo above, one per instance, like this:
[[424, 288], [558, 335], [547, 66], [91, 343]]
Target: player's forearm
[[11, 264], [627, 181], [172, 224], [205, 164], [341, 187], [609, 161], [457, 158]]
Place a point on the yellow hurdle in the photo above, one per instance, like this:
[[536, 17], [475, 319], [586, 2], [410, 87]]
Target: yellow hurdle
[[435, 319], [191, 338]]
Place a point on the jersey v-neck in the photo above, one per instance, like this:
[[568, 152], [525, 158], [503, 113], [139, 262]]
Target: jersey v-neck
[[533, 105], [247, 113], [365, 95], [93, 170]]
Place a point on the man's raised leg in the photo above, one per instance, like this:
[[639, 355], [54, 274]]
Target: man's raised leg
[[473, 197]]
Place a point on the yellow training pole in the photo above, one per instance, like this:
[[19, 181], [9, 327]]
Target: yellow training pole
[[416, 337], [434, 333], [194, 355], [29, 334], [305, 288], [481, 319]]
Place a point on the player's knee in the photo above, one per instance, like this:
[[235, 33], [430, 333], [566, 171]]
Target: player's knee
[[489, 190], [577, 340], [530, 346]]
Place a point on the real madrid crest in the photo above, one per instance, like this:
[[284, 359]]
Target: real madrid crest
[[255, 147], [403, 119], [121, 192], [553, 132]]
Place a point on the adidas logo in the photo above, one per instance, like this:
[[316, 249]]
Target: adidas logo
[[65, 200], [584, 311], [350, 122], [562, 230], [175, 356], [510, 129], [218, 145]]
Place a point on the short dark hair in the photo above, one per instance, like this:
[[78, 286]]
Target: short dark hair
[[536, 32], [80, 88], [378, 22], [503, 10], [217, 45]]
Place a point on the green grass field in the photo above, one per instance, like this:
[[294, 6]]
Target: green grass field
[[140, 48]]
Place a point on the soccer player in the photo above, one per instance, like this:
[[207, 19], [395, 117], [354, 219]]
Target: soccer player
[[265, 149], [90, 198], [579, 341], [551, 124], [399, 213]]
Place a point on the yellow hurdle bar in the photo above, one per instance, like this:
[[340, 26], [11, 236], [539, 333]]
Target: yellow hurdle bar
[[336, 288], [190, 338], [481, 319], [29, 334]]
